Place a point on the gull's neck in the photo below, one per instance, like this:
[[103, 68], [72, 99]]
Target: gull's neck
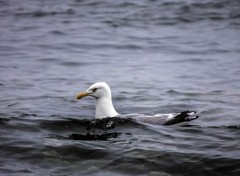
[[104, 107]]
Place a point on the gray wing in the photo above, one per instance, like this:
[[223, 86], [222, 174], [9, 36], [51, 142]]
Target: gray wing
[[168, 119]]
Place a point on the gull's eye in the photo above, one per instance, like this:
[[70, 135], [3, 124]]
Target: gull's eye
[[94, 89]]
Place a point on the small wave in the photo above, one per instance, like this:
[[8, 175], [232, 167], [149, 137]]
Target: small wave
[[48, 59], [58, 32], [237, 127], [191, 60], [40, 13], [3, 120], [74, 64], [126, 46], [176, 92], [227, 126]]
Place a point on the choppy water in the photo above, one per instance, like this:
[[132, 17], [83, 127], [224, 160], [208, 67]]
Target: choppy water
[[157, 56]]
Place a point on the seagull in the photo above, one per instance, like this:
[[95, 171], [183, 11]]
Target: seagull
[[104, 108]]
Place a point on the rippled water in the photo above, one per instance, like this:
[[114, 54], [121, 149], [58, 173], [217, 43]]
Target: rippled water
[[157, 56]]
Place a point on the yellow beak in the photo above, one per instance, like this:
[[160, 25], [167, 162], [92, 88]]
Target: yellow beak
[[81, 95]]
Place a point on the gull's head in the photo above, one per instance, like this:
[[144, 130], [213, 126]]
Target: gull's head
[[101, 91], [97, 90]]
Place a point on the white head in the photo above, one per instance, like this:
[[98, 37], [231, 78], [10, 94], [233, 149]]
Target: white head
[[101, 91]]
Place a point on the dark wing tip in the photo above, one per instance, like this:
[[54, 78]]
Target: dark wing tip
[[184, 116]]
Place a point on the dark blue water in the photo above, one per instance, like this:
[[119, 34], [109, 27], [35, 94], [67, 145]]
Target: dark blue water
[[157, 56]]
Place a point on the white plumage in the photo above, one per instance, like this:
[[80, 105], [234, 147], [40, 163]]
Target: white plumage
[[104, 106]]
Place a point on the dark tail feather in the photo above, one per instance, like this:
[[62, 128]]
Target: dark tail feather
[[184, 116]]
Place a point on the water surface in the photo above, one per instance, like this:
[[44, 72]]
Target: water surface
[[157, 56]]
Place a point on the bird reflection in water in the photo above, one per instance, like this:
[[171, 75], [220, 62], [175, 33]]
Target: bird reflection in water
[[97, 129]]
